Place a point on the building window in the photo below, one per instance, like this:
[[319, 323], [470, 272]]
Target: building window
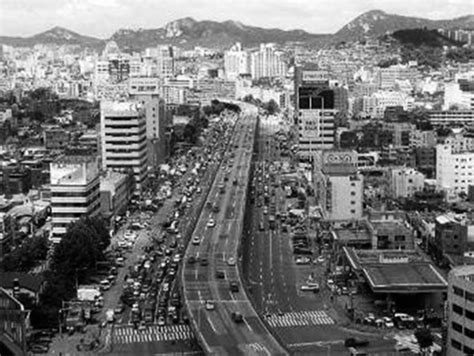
[[456, 344], [468, 332], [458, 310], [468, 350], [469, 314], [458, 291], [457, 327]]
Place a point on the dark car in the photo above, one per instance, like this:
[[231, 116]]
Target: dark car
[[237, 317], [204, 262], [353, 342], [220, 274], [191, 260]]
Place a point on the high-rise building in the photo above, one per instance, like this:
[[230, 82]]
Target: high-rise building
[[75, 187], [460, 310], [267, 62], [146, 91], [315, 112], [165, 62], [119, 68], [236, 62], [123, 136], [338, 186]]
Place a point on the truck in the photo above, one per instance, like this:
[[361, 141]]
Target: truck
[[88, 293]]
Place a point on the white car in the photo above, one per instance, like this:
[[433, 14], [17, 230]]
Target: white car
[[210, 305], [302, 260], [388, 323], [161, 321], [196, 240], [131, 236], [314, 287], [211, 223], [231, 261]]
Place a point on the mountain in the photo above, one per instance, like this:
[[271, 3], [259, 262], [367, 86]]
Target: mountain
[[188, 32], [377, 23], [56, 35], [423, 37]]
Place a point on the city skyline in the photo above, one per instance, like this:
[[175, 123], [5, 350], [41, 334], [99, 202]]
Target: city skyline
[[87, 16]]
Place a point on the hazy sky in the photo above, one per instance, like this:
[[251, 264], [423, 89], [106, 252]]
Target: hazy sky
[[101, 18]]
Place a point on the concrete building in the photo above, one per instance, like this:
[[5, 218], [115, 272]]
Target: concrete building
[[165, 62], [419, 138], [389, 76], [315, 111], [454, 169], [124, 139], [454, 236], [338, 186], [391, 231], [146, 91], [74, 191], [460, 310], [451, 117], [374, 106], [459, 95], [115, 193], [236, 62], [267, 62], [405, 182]]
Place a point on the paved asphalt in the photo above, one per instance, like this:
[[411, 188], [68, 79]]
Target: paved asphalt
[[304, 322], [216, 330]]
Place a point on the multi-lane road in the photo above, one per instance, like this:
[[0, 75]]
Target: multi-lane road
[[211, 262]]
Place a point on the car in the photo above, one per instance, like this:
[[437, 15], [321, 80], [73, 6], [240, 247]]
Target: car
[[191, 260], [355, 342], [39, 349], [210, 305], [310, 288], [196, 240], [237, 317], [220, 274], [119, 308], [234, 287], [231, 261], [321, 259], [211, 223], [161, 320], [302, 260], [203, 261], [142, 325]]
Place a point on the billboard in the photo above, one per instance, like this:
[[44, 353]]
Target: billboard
[[314, 76]]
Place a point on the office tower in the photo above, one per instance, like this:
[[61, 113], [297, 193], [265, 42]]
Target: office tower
[[75, 186], [314, 112], [123, 136], [146, 91]]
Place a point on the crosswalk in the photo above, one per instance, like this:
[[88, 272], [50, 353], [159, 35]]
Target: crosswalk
[[300, 318], [255, 349], [153, 333]]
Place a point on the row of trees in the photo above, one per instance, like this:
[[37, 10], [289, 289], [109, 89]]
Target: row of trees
[[271, 106], [27, 255], [74, 259]]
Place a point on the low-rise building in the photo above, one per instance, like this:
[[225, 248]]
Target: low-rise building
[[116, 190], [405, 182]]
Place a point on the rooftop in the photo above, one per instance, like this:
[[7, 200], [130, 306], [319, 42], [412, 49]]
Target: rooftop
[[396, 271]]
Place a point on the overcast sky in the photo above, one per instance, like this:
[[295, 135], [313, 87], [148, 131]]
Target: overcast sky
[[100, 18]]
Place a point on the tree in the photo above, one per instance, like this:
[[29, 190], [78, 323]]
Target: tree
[[271, 107], [424, 338]]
